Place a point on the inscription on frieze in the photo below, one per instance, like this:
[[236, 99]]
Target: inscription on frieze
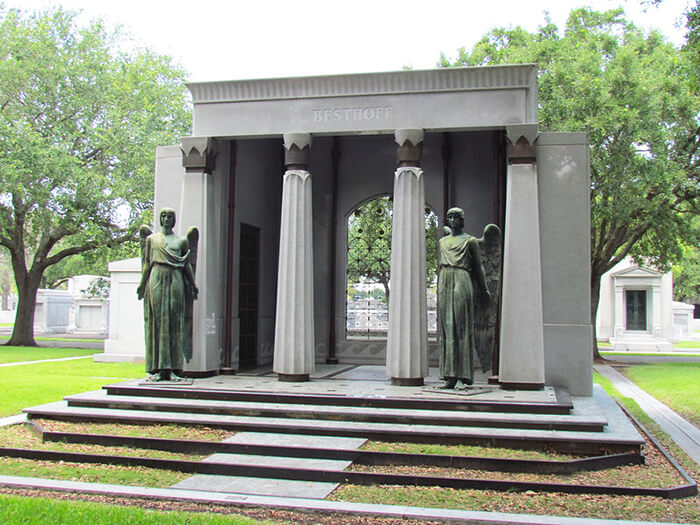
[[353, 113]]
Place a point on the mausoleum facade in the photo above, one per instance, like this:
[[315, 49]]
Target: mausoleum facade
[[275, 167]]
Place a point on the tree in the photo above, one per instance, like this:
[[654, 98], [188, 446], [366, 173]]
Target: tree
[[633, 94], [369, 244], [79, 123], [686, 276]]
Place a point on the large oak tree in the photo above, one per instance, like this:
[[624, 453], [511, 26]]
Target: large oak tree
[[633, 93], [79, 122]]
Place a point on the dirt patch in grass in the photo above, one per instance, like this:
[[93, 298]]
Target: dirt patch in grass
[[656, 473], [115, 474], [643, 508], [198, 433], [466, 450], [22, 436]]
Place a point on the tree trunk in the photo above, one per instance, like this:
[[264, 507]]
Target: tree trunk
[[23, 331], [595, 298]]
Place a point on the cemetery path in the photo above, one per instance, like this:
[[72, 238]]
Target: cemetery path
[[47, 360], [685, 434]]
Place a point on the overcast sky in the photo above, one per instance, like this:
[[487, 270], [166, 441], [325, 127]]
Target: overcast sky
[[226, 40]]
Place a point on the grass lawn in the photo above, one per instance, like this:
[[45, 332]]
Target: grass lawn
[[16, 354], [62, 339], [687, 344], [20, 510], [675, 384], [647, 354], [34, 384]]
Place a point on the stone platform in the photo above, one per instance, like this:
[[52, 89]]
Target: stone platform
[[341, 407]]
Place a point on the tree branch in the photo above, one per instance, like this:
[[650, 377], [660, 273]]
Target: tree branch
[[74, 250]]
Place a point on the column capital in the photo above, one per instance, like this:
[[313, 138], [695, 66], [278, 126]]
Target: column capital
[[296, 150], [198, 154], [410, 141], [521, 143]]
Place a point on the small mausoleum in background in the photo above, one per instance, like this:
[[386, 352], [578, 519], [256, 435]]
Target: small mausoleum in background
[[636, 311], [273, 271]]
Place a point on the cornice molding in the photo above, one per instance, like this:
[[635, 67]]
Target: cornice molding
[[423, 81]]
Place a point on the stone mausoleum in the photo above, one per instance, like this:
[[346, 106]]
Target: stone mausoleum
[[275, 167]]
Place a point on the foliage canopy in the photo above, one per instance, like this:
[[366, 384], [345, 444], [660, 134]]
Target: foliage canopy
[[635, 96], [79, 123]]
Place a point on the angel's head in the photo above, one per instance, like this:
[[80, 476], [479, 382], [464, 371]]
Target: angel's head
[[167, 218], [455, 219]]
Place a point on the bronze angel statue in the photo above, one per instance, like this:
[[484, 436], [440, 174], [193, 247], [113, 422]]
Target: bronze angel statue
[[167, 287], [462, 290]]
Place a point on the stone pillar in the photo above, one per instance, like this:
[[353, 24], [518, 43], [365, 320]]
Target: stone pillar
[[619, 311], [656, 314], [407, 344], [522, 329], [294, 323], [194, 199]]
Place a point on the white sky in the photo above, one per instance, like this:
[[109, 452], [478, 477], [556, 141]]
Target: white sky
[[234, 39]]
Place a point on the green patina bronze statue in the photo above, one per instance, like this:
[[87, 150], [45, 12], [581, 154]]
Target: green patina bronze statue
[[490, 248], [168, 290], [460, 272]]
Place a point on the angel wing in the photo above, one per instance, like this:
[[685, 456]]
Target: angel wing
[[485, 318], [144, 232], [193, 241]]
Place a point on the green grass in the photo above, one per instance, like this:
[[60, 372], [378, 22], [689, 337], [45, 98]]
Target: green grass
[[16, 354], [35, 384], [22, 510], [63, 339], [675, 384], [653, 354], [687, 344]]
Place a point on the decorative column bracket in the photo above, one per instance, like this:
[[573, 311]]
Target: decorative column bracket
[[198, 154], [407, 342], [521, 143]]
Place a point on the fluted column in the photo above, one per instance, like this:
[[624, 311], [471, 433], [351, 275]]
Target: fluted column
[[294, 323], [521, 363], [407, 344]]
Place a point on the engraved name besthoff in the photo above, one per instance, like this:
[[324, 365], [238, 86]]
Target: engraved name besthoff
[[352, 113]]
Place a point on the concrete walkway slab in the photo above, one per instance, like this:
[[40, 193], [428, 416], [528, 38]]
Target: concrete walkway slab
[[13, 420], [48, 360], [306, 504], [684, 433], [269, 486]]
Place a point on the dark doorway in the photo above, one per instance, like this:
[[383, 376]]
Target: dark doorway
[[248, 282], [636, 309]]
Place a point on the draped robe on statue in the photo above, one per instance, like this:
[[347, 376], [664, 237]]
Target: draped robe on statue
[[456, 307], [167, 307]]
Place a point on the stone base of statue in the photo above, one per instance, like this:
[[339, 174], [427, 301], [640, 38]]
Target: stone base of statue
[[183, 381]]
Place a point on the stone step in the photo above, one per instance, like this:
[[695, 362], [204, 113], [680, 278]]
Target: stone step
[[564, 441], [357, 394], [273, 486], [100, 399]]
